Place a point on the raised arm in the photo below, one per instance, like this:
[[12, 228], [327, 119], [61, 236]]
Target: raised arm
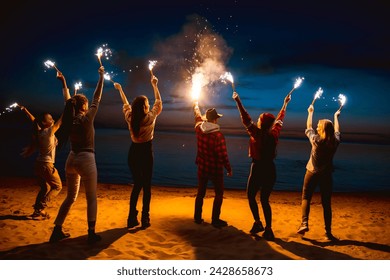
[[286, 101], [65, 89], [99, 87], [123, 96], [154, 82], [309, 122], [29, 115], [245, 117], [336, 121]]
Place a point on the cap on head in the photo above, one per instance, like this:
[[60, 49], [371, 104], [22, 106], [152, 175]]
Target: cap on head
[[211, 114]]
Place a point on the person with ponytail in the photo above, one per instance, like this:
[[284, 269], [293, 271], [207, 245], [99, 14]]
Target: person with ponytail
[[80, 167], [324, 143], [263, 141], [141, 121]]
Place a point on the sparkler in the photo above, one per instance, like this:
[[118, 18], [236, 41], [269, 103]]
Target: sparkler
[[317, 95], [342, 99], [108, 77], [77, 86], [297, 83], [228, 76], [197, 80], [49, 64], [103, 50], [10, 108], [152, 63]]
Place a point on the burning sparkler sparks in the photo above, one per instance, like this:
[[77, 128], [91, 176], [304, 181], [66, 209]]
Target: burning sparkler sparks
[[228, 76], [342, 99], [108, 77], [152, 63], [297, 83], [317, 95], [197, 82], [50, 64], [10, 108], [77, 86], [103, 51]]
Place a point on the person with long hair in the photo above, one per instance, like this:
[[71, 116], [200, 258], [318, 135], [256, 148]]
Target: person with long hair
[[211, 159], [141, 121], [324, 143], [263, 140], [78, 126]]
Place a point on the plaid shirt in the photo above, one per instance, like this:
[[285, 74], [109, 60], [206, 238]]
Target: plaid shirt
[[212, 154]]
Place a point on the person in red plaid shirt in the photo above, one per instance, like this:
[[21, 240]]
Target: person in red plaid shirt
[[262, 149], [211, 158]]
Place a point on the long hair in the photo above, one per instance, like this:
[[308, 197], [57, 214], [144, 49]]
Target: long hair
[[328, 132], [137, 114], [72, 108]]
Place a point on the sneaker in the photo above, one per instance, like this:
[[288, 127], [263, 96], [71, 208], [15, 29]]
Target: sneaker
[[269, 234], [93, 237], [330, 237], [257, 227], [303, 228], [40, 215], [58, 235], [198, 221], [219, 223]]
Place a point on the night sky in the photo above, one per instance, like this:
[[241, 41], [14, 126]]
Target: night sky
[[341, 47]]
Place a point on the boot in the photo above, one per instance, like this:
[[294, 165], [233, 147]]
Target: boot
[[92, 236], [58, 234], [132, 220], [145, 220]]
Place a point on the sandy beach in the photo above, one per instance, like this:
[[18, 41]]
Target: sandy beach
[[360, 220]]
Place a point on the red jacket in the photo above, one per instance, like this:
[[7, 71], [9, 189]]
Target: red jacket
[[212, 154]]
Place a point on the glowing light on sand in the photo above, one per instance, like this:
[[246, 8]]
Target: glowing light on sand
[[317, 95], [50, 64]]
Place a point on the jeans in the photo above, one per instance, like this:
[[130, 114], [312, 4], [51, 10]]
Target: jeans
[[218, 199], [325, 181], [140, 161], [49, 181], [261, 179], [80, 167]]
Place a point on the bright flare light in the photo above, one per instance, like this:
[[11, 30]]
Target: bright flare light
[[10, 108], [228, 76], [99, 54], [50, 64], [197, 80], [77, 86], [103, 51], [317, 95], [152, 63], [108, 77], [297, 83], [342, 99]]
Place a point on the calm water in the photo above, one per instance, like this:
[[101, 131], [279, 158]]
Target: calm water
[[358, 167]]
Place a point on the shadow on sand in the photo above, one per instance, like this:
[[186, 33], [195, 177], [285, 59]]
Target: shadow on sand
[[69, 249]]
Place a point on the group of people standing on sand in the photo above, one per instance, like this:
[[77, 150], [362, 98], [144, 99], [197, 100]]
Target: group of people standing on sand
[[76, 124]]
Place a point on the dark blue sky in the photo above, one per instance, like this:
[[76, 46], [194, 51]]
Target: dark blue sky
[[341, 47]]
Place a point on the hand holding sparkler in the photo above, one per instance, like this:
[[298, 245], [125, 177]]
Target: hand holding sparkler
[[317, 95], [297, 83], [152, 63]]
